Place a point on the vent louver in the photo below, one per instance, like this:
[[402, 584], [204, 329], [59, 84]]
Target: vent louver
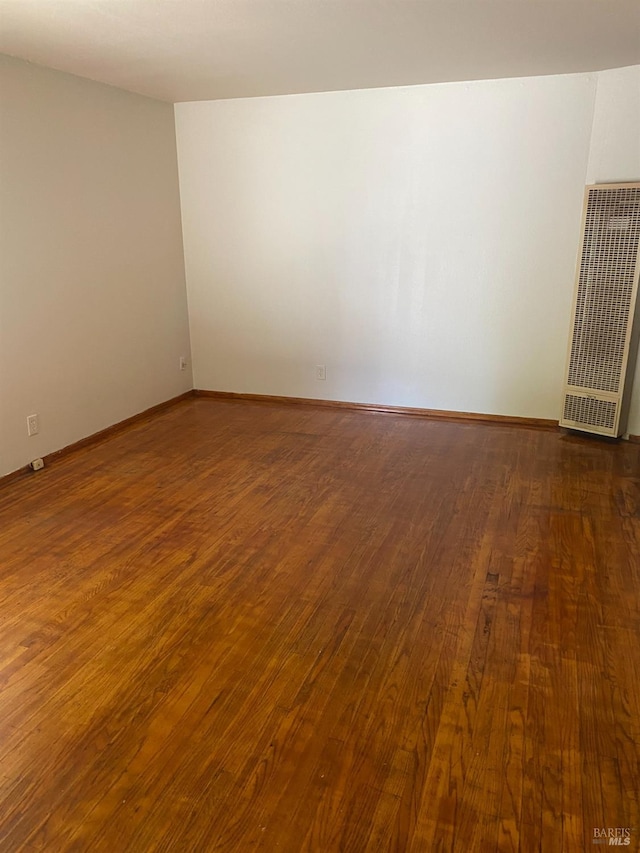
[[602, 336], [589, 410]]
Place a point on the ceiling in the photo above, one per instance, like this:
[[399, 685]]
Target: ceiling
[[188, 50]]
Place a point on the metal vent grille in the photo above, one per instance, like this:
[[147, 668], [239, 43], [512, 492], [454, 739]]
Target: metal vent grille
[[605, 289], [589, 411]]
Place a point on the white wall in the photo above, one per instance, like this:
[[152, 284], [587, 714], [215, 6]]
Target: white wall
[[615, 154], [93, 315], [420, 242]]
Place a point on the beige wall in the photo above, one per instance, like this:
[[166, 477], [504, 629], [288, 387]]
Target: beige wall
[[93, 313]]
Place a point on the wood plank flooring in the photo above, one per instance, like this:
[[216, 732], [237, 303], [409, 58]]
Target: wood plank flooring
[[247, 627]]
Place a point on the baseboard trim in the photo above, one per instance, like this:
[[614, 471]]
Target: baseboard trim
[[429, 414], [99, 436], [409, 411], [14, 475]]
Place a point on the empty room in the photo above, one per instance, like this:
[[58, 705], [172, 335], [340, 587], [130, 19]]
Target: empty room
[[319, 426]]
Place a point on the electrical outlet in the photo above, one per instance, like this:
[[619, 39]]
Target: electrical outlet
[[33, 425], [321, 371], [183, 362]]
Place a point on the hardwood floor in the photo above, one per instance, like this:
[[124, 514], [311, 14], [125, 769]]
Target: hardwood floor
[[248, 627]]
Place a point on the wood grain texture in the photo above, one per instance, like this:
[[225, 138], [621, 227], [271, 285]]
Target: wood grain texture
[[412, 411], [241, 627]]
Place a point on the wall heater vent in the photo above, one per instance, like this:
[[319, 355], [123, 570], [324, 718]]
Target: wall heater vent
[[589, 410], [604, 337]]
